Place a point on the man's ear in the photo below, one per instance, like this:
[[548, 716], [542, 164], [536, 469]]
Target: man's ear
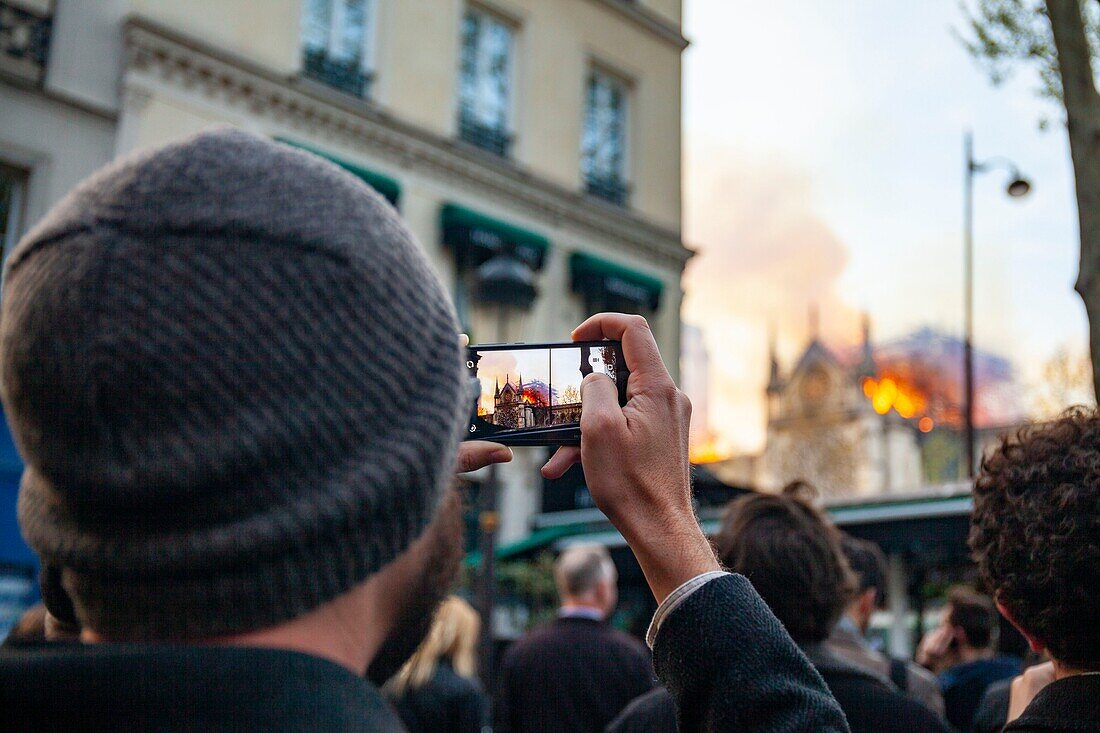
[[1036, 646], [867, 603]]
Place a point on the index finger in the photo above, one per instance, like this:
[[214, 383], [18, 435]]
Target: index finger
[[643, 358]]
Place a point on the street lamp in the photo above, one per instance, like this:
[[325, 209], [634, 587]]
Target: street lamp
[[505, 284], [1017, 187]]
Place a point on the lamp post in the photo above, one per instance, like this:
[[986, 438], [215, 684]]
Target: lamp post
[[506, 285], [1017, 187]]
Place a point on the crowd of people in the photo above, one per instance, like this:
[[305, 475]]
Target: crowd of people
[[237, 385]]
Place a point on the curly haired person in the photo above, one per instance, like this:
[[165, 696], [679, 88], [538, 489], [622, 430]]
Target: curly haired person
[[1035, 534]]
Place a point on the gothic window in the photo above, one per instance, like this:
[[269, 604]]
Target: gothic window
[[814, 390]]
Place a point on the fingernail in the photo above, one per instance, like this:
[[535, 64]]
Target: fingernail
[[502, 455]]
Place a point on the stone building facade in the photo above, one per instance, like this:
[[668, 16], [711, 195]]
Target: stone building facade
[[545, 130]]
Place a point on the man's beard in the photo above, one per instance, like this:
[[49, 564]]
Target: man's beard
[[424, 592]]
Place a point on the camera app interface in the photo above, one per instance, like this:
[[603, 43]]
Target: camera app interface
[[526, 389]]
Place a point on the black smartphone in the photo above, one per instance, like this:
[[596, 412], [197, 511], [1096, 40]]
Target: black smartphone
[[530, 394]]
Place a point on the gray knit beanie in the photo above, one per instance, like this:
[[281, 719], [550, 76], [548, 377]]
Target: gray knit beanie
[[236, 383]]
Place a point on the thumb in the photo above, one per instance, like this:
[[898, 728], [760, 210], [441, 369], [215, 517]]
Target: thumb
[[600, 409], [475, 454]]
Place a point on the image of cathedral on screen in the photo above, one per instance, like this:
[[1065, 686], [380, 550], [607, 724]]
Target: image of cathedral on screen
[[533, 404]]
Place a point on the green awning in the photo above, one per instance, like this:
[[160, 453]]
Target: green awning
[[388, 187], [475, 237], [604, 280], [537, 539]]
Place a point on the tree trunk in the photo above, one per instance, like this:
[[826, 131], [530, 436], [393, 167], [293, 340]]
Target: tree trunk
[[1083, 123]]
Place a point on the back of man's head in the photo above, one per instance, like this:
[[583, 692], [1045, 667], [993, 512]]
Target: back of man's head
[[974, 614], [237, 385], [580, 570], [868, 564], [1034, 534], [792, 555]]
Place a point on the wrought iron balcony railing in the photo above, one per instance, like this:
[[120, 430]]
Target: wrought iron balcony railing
[[347, 76], [492, 139], [24, 42], [608, 188]]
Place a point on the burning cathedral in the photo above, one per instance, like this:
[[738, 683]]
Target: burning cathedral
[[827, 423], [532, 404]]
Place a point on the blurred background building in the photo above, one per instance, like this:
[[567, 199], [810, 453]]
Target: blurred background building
[[542, 135]]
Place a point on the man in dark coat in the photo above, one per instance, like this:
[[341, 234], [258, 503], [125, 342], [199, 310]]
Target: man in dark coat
[[792, 555], [576, 673], [198, 350], [848, 639], [1034, 535]]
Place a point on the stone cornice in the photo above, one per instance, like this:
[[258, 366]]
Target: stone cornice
[[645, 18], [176, 58]]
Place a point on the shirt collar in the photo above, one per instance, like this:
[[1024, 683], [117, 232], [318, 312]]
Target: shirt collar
[[849, 627], [588, 612]]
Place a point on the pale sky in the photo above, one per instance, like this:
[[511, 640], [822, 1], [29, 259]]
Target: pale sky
[[823, 165]]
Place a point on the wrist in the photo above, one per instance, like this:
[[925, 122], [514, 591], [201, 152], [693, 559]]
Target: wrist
[[669, 557]]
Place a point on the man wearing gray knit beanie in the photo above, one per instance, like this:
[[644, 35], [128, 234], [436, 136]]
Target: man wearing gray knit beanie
[[238, 390]]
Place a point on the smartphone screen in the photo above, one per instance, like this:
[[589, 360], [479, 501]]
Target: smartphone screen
[[531, 394]]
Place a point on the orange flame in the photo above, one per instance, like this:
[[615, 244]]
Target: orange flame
[[532, 397], [710, 450], [893, 394]]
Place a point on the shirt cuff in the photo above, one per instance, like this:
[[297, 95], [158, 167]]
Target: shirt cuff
[[675, 598]]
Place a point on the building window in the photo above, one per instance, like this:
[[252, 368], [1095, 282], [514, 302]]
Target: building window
[[13, 192], [485, 82], [603, 143], [25, 40], [336, 43]]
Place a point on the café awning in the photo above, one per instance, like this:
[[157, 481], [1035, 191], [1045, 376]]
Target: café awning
[[537, 540], [475, 237], [604, 280], [388, 187]]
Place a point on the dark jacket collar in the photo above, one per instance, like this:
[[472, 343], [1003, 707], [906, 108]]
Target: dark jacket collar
[[175, 688], [1068, 704], [830, 664]]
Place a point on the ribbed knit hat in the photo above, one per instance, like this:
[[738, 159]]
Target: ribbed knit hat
[[236, 383]]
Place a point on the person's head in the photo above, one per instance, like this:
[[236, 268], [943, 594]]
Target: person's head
[[453, 639], [586, 576], [972, 618], [869, 566], [238, 387], [791, 553], [1034, 535]]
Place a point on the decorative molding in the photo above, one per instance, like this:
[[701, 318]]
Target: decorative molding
[[296, 103], [642, 16]]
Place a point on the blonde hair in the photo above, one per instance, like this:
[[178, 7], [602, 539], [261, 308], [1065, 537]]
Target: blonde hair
[[453, 637]]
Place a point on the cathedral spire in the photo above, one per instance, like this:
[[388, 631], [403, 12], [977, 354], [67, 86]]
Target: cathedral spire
[[815, 322], [775, 381], [867, 367]]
